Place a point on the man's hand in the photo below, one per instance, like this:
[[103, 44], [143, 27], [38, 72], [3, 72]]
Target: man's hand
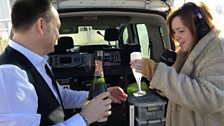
[[145, 66], [97, 108], [117, 94]]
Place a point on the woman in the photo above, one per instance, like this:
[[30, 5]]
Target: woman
[[194, 85]]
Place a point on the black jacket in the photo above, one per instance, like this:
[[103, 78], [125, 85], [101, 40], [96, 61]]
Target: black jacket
[[48, 106]]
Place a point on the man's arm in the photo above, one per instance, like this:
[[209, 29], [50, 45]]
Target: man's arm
[[19, 100]]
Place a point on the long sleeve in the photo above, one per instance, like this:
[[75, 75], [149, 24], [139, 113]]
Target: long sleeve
[[202, 94], [18, 105], [73, 99], [200, 83], [19, 102], [76, 120]]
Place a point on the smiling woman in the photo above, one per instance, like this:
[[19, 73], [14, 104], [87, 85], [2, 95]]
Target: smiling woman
[[216, 9], [194, 84]]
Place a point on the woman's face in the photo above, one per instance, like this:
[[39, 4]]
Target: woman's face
[[182, 35]]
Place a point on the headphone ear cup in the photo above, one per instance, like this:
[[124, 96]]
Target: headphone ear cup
[[201, 25]]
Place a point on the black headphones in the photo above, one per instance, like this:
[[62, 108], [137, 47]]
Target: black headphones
[[201, 24]]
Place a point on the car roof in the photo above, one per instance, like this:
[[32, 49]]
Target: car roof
[[159, 5]]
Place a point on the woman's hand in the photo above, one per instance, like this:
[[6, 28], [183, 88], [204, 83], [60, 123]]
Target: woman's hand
[[117, 95], [146, 67]]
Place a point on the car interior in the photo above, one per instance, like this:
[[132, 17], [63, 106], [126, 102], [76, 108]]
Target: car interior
[[118, 33]]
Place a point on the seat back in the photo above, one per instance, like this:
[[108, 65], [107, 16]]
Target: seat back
[[64, 43], [112, 34]]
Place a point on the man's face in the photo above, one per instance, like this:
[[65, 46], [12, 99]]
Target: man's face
[[51, 31]]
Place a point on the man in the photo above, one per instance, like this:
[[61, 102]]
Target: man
[[29, 95]]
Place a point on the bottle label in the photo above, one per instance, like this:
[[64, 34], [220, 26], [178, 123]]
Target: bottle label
[[98, 85]]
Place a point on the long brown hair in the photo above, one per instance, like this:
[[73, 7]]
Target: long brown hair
[[188, 17]]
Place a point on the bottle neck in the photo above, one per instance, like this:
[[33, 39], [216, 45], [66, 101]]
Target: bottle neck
[[98, 68]]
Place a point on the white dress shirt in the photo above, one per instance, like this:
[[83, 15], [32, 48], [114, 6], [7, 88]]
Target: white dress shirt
[[18, 98]]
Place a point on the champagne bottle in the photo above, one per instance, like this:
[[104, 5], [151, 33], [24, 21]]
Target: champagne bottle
[[98, 85]]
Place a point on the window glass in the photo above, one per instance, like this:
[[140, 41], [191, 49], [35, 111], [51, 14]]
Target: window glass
[[125, 36], [86, 35], [143, 39]]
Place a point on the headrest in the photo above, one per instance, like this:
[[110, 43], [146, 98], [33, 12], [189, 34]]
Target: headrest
[[65, 43], [111, 34]]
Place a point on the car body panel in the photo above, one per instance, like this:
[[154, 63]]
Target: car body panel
[[139, 4]]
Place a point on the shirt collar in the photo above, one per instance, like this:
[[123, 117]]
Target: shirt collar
[[33, 57]]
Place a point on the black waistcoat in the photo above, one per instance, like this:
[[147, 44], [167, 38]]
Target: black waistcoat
[[48, 106]]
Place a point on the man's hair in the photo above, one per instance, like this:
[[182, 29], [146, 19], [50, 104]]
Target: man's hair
[[26, 12]]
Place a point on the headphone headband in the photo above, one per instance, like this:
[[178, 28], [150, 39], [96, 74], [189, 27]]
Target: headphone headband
[[202, 26]]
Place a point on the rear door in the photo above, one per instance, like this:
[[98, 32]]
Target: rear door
[[118, 27]]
